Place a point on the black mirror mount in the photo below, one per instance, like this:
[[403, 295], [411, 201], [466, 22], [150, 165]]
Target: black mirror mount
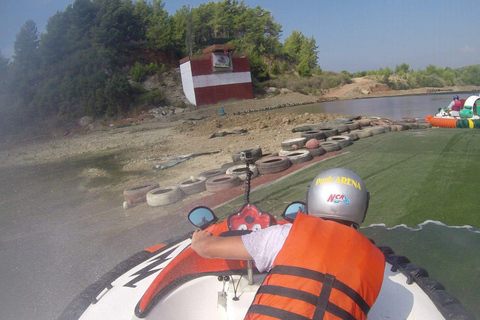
[[291, 211], [202, 217]]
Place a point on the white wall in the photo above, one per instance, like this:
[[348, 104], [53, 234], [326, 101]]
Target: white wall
[[187, 82]]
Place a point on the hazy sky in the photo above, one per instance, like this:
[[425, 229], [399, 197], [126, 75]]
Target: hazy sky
[[351, 35]]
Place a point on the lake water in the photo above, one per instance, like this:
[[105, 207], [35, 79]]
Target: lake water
[[390, 107], [451, 254]]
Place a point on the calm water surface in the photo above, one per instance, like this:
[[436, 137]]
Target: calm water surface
[[395, 108]]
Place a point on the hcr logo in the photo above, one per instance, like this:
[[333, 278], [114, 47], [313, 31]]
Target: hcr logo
[[338, 198]]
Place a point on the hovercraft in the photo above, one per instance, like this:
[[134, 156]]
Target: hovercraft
[[171, 281], [468, 116]]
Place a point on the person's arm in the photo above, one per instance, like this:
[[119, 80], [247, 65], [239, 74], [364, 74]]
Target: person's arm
[[210, 246]]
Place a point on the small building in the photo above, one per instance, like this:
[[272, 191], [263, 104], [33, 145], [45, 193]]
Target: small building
[[216, 75]]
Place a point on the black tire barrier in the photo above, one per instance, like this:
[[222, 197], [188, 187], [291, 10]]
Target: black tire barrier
[[316, 152], [241, 171], [342, 128], [409, 120], [412, 126], [272, 164], [343, 140], [222, 182], [314, 134], [192, 185], [353, 135], [376, 130], [330, 146], [211, 173], [364, 122], [139, 192], [225, 166], [299, 156], [352, 125], [329, 131], [256, 153], [400, 126], [270, 154], [362, 133], [302, 129], [164, 196], [288, 145]]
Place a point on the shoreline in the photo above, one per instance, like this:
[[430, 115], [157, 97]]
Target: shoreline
[[187, 131]]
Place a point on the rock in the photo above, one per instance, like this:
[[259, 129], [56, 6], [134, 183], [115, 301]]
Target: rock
[[271, 91], [364, 91], [85, 121]]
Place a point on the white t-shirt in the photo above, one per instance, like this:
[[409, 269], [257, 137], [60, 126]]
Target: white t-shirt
[[263, 245]]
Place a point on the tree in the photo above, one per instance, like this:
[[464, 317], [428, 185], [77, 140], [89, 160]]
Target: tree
[[293, 45], [3, 68], [118, 95], [81, 16], [304, 69], [308, 56], [55, 43], [471, 75], [160, 30], [3, 79], [115, 26], [25, 75], [402, 69], [25, 46]]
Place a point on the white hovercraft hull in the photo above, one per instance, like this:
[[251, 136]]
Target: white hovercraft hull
[[207, 297]]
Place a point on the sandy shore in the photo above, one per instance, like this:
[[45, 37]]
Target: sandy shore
[[138, 146]]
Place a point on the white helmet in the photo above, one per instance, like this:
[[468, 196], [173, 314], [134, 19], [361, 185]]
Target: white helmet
[[338, 194]]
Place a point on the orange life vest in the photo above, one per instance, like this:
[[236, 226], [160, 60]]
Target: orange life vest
[[325, 270]]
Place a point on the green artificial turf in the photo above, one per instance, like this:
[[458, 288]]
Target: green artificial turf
[[412, 176]]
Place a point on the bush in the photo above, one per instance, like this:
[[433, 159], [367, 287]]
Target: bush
[[275, 70], [153, 98], [304, 69], [258, 68], [139, 73]]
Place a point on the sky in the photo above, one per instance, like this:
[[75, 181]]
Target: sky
[[351, 35]]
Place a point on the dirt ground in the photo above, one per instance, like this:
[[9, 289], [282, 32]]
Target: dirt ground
[[143, 146]]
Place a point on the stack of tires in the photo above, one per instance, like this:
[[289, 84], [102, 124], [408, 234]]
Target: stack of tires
[[137, 194], [314, 141]]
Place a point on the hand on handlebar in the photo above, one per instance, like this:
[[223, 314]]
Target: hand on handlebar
[[200, 234]]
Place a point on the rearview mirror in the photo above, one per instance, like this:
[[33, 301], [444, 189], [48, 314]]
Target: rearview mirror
[[293, 209], [202, 217]]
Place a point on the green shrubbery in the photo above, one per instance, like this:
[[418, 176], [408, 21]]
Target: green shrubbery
[[315, 84], [404, 78], [140, 72], [153, 98]]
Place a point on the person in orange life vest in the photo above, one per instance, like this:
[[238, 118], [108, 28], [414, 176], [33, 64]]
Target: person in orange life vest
[[320, 266]]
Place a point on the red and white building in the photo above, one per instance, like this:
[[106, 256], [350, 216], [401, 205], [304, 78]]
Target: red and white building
[[216, 75]]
